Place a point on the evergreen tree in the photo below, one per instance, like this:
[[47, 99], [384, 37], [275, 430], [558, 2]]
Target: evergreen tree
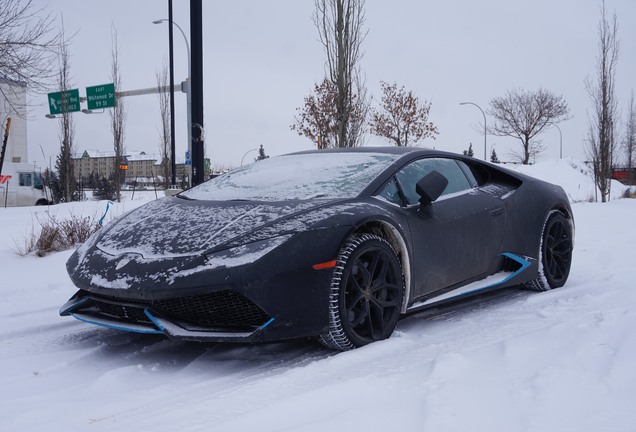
[[469, 152], [105, 188], [493, 157], [261, 154]]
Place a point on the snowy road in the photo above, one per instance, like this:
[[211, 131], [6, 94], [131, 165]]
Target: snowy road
[[556, 361]]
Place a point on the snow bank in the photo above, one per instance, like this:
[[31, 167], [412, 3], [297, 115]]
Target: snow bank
[[574, 176]]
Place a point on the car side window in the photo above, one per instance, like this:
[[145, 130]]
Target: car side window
[[390, 192], [413, 172]]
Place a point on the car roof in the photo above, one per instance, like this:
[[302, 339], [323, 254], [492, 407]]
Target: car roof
[[385, 149]]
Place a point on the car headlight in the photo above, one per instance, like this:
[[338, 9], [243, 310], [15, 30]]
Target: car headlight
[[244, 254]]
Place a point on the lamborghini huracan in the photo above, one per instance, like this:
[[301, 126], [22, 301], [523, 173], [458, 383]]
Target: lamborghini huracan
[[336, 245]]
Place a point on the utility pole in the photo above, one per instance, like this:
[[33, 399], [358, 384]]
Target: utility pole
[[196, 38], [173, 162]]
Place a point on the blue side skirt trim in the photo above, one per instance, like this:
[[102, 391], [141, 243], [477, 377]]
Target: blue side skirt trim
[[476, 287], [524, 265]]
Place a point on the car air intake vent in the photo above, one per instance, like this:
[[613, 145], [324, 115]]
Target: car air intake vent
[[219, 309], [125, 312]]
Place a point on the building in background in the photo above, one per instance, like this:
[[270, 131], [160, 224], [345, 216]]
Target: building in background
[[13, 104], [142, 167]]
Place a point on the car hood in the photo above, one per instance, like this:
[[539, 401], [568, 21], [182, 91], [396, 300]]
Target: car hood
[[173, 227]]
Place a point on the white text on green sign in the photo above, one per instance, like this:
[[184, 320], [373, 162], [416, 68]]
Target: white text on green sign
[[64, 101], [101, 96]]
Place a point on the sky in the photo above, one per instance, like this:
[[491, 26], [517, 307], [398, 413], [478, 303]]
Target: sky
[[262, 58]]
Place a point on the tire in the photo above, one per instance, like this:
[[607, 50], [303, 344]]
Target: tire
[[555, 253], [367, 288]]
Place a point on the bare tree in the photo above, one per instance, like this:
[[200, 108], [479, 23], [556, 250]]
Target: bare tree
[[30, 45], [402, 119], [64, 166], [316, 120], [602, 136], [524, 114], [164, 133], [117, 115], [629, 142], [340, 28]]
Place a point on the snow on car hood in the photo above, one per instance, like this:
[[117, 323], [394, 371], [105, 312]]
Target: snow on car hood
[[176, 227]]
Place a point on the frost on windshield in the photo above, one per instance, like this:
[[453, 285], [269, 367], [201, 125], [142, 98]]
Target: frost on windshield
[[305, 176]]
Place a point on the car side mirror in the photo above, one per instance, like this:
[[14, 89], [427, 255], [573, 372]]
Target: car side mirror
[[430, 187]]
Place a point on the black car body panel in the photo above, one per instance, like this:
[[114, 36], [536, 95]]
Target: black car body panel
[[235, 270]]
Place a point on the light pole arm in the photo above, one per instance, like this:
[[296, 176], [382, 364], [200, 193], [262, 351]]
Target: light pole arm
[[485, 128], [246, 153], [185, 39]]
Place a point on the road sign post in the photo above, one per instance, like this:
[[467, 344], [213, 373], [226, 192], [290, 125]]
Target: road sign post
[[101, 96], [64, 101]]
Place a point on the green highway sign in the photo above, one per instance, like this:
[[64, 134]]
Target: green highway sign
[[64, 101], [101, 96]]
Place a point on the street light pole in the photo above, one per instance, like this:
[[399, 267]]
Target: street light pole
[[485, 129], [560, 139], [188, 94]]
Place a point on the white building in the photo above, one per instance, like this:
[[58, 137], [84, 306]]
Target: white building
[[13, 104]]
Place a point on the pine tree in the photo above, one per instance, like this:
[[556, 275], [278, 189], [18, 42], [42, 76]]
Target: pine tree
[[106, 188], [261, 154], [469, 152], [493, 157]]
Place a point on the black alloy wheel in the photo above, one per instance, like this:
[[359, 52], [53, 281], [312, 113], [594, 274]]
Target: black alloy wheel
[[556, 253], [366, 293]]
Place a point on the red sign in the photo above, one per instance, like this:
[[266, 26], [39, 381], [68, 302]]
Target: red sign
[[4, 178]]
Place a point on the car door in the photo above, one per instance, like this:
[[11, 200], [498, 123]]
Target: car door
[[455, 238]]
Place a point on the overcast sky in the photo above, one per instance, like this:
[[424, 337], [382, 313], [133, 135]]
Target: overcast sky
[[261, 58]]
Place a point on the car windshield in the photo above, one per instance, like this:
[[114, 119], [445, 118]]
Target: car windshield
[[300, 176]]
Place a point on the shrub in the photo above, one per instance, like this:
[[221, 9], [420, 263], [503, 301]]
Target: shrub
[[57, 235]]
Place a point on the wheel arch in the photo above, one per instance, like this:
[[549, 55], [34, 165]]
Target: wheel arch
[[395, 238]]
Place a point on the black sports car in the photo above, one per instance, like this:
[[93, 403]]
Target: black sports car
[[337, 245]]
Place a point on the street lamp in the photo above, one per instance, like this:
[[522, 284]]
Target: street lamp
[[560, 139], [188, 92], [484, 114]]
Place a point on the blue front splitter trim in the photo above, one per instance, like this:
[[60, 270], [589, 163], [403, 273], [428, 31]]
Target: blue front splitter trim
[[116, 327]]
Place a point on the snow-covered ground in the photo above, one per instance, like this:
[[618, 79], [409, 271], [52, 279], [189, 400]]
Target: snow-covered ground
[[561, 361]]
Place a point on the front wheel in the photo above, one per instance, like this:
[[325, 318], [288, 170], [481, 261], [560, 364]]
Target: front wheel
[[367, 289], [555, 253]]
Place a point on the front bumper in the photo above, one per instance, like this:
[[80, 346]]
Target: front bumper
[[141, 318], [279, 296]]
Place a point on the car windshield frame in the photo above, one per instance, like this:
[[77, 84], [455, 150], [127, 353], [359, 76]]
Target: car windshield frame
[[303, 176]]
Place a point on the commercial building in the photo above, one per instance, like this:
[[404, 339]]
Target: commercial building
[[13, 104]]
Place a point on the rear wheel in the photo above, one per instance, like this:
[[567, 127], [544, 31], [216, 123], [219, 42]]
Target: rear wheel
[[367, 288], [555, 253]]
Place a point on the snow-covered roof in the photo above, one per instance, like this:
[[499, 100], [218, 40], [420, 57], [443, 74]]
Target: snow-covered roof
[[133, 155]]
